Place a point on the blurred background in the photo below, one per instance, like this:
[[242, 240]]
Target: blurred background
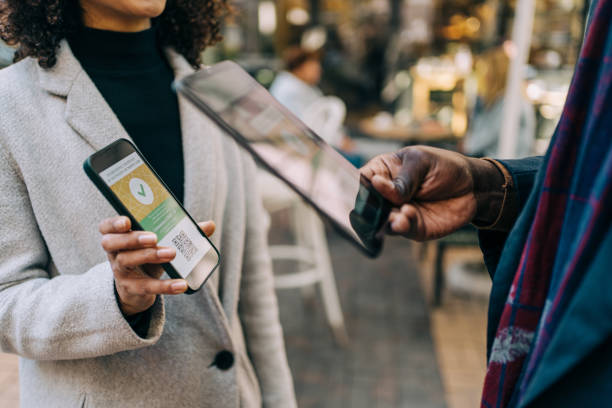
[[487, 78]]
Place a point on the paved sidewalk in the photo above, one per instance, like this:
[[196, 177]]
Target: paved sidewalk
[[390, 361], [459, 331]]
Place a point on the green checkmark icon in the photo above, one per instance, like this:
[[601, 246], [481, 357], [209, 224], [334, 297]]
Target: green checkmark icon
[[142, 191]]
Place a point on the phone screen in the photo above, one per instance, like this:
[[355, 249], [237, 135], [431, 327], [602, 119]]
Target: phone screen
[[140, 191]]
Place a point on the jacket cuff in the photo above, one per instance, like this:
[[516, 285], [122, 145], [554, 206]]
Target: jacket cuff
[[510, 206], [125, 334], [139, 322]]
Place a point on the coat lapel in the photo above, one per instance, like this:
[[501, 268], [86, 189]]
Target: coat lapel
[[86, 110], [199, 147], [88, 113]]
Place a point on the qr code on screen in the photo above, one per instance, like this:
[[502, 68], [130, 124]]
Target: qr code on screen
[[184, 245]]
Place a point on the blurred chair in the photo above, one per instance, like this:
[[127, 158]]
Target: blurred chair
[[433, 253], [326, 117], [310, 251]]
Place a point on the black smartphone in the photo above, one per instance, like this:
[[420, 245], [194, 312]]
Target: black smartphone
[[135, 190]]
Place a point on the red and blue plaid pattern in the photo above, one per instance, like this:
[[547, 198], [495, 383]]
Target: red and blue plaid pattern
[[574, 212]]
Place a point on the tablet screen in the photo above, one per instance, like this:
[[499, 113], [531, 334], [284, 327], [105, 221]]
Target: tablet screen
[[290, 149]]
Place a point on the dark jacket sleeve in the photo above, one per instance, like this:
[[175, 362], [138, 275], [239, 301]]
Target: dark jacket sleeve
[[523, 175]]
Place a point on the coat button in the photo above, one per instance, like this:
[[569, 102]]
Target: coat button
[[224, 360]]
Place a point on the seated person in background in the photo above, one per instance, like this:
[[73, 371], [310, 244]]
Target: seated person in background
[[482, 138], [296, 88]]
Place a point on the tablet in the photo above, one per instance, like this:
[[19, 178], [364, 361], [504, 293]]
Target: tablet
[[286, 147]]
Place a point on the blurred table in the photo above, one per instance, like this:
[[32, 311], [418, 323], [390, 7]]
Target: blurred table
[[424, 133]]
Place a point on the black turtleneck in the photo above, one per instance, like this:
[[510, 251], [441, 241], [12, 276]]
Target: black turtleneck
[[132, 74]]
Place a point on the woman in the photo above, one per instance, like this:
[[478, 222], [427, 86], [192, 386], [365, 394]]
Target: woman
[[91, 328]]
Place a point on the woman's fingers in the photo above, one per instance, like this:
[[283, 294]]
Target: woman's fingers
[[208, 227], [144, 285], [135, 260], [131, 253], [128, 241], [127, 260], [115, 225]]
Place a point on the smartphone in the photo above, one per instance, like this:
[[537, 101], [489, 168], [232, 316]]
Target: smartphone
[[135, 190]]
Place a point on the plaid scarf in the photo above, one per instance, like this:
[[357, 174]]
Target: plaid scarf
[[571, 218]]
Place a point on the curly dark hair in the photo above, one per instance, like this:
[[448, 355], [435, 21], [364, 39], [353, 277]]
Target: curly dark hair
[[36, 27]]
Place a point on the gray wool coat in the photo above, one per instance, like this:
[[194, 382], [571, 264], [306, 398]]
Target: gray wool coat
[[58, 311]]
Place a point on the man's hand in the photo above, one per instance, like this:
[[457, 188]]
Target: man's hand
[[135, 259], [435, 191]]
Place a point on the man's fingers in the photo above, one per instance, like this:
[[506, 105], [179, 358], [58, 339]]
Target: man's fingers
[[411, 174], [132, 259], [398, 176], [115, 225], [127, 241], [405, 222], [384, 186], [399, 223], [208, 227], [148, 286], [378, 166], [368, 171], [381, 172]]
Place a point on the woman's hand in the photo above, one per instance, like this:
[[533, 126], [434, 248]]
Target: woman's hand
[[135, 259], [435, 191]]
